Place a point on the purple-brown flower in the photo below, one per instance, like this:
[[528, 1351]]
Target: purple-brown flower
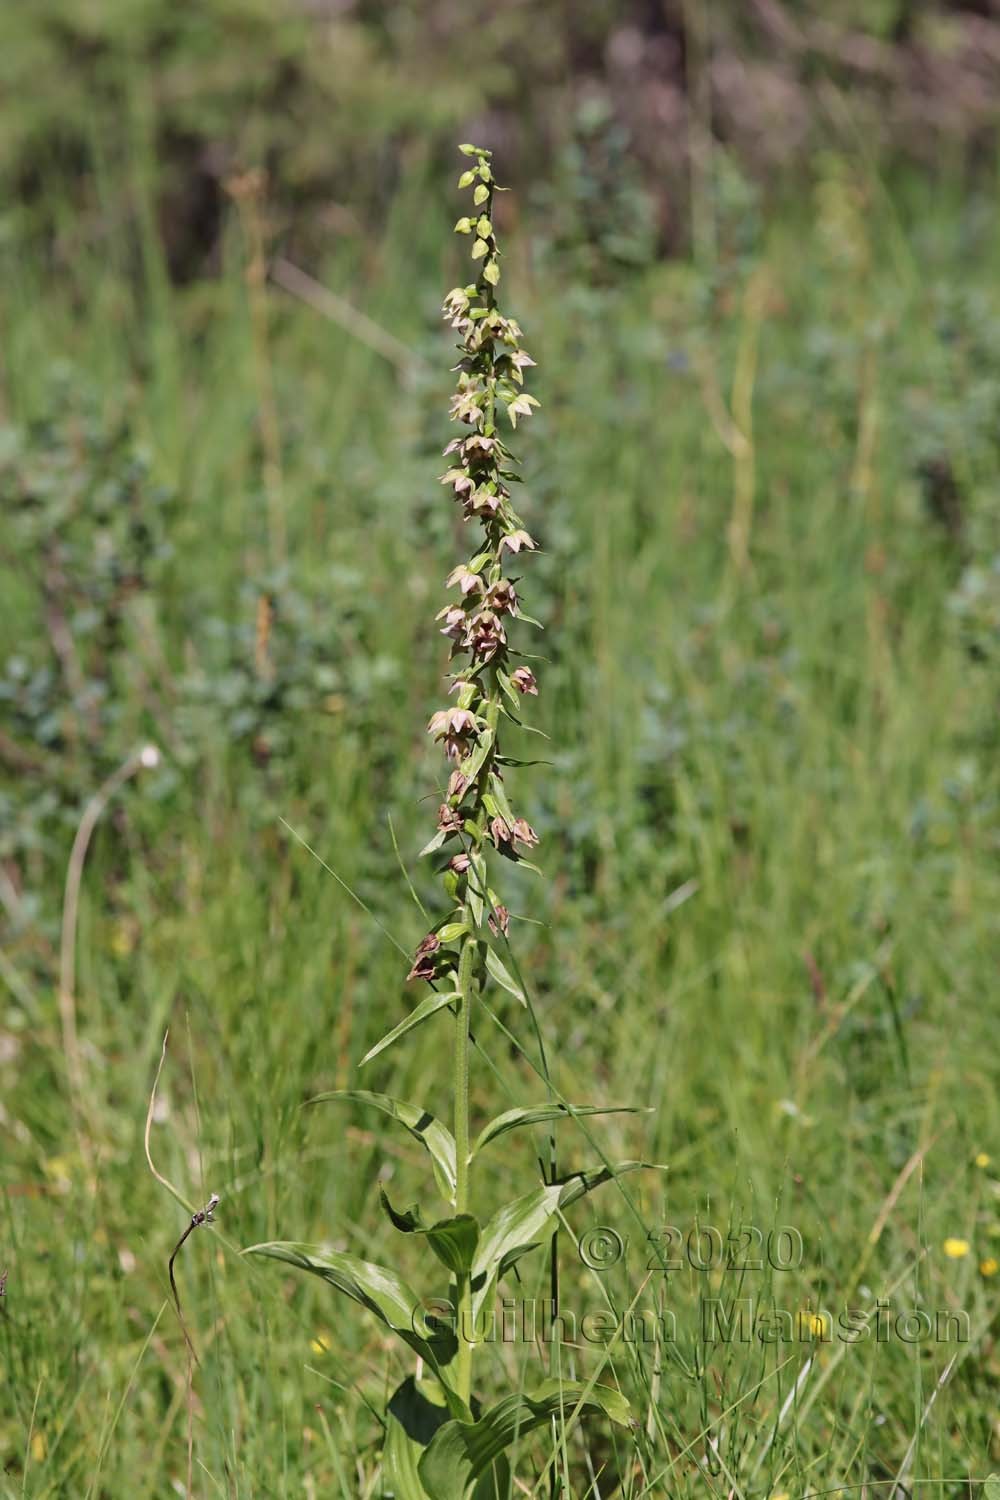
[[503, 597], [524, 680], [424, 965], [484, 635], [449, 819], [457, 785]]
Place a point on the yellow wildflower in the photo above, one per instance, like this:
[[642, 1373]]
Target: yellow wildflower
[[320, 1344], [955, 1248], [982, 1159], [990, 1266]]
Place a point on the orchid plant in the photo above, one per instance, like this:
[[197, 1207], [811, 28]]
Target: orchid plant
[[441, 1442]]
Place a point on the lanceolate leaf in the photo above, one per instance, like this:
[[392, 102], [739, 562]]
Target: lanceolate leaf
[[459, 1452], [513, 1230], [420, 1013], [381, 1291], [498, 971], [514, 1119], [522, 1225], [421, 1124], [580, 1183]]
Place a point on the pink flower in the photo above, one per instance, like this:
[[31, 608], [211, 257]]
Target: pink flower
[[499, 921], [459, 863], [457, 785], [454, 726], [524, 833], [524, 680], [468, 582], [481, 502], [500, 832], [454, 621], [519, 541]]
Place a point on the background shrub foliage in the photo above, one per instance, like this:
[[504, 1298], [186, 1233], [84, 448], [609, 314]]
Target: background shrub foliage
[[756, 249]]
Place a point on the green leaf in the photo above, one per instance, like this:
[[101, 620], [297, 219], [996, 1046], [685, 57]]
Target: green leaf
[[379, 1290], [473, 763], [512, 1231], [435, 1137], [459, 1452], [453, 1240], [420, 1013], [508, 687], [497, 970], [476, 886], [491, 273], [413, 1415], [991, 1490], [481, 194], [451, 930], [500, 796], [433, 844], [514, 1119], [580, 1183]]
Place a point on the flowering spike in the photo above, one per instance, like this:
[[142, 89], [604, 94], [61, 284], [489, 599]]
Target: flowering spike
[[490, 384]]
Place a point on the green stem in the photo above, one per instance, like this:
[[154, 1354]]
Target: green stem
[[463, 1299]]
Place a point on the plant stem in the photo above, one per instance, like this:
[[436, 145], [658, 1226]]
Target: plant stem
[[463, 1299]]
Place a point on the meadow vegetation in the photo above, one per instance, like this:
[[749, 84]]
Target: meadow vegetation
[[764, 479]]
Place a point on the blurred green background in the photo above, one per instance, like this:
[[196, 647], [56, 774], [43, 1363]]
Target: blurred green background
[[754, 250]]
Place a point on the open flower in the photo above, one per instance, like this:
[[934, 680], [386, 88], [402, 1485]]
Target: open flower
[[524, 680], [454, 621], [524, 833], [482, 502], [503, 597], [501, 833], [519, 541], [459, 863], [468, 582], [454, 726], [484, 635]]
